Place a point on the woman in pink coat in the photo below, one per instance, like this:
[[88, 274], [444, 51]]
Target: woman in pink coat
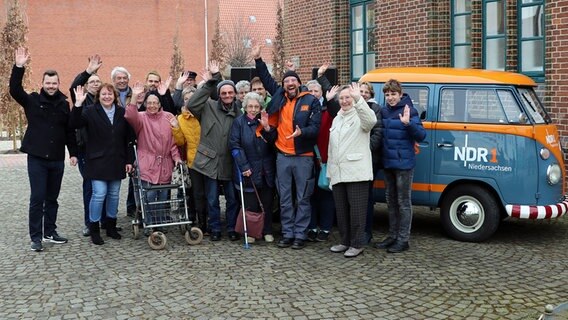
[[157, 151]]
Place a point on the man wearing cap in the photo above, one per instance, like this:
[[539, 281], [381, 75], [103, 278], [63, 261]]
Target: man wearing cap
[[296, 115], [186, 80], [213, 158]]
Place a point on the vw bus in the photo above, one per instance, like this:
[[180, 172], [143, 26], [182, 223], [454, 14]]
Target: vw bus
[[491, 149]]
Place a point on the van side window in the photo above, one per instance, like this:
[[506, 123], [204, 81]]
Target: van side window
[[510, 105], [419, 96], [471, 105]]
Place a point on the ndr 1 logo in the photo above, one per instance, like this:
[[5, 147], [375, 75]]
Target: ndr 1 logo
[[471, 154]]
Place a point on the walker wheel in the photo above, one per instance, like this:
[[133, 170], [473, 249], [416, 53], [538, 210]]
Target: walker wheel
[[194, 236], [135, 231], [157, 240]]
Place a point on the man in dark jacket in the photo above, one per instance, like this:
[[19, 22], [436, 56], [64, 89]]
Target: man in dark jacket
[[296, 114], [46, 136]]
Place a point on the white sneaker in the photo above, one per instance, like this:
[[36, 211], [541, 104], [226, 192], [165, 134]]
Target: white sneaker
[[352, 252], [338, 248], [268, 238], [250, 239]]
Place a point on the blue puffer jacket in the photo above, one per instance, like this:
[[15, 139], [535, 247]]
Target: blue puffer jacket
[[398, 139], [253, 153]]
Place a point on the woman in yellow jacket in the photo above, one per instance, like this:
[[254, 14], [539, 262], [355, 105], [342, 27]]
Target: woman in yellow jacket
[[186, 133]]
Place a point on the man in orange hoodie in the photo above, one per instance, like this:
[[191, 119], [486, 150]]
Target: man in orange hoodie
[[296, 114]]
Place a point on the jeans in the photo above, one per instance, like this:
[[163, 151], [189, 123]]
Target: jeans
[[104, 190], [297, 170], [45, 178], [323, 210], [398, 190], [214, 208], [87, 190]]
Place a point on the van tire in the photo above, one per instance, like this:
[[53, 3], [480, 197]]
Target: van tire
[[470, 213]]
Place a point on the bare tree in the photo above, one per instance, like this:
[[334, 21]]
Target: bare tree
[[238, 44], [13, 36], [178, 64], [278, 53], [218, 47]]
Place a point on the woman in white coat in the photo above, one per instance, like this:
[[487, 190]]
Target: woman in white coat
[[350, 168]]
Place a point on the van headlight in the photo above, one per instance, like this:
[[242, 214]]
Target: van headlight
[[553, 174]]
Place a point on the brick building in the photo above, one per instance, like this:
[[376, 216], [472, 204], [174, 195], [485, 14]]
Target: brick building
[[526, 36], [131, 33]]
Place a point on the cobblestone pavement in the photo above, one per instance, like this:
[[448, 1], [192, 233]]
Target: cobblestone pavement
[[512, 276]]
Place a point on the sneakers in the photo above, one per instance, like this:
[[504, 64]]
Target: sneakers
[[322, 236], [338, 248], [54, 238], [86, 231], [352, 252], [37, 246], [298, 244], [250, 239], [268, 238], [312, 235]]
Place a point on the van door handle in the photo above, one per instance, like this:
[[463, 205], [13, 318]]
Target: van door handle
[[445, 145]]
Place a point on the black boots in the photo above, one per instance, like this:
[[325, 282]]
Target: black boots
[[111, 229], [96, 233]]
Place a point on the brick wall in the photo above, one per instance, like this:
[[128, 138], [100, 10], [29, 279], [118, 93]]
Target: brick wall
[[135, 34]]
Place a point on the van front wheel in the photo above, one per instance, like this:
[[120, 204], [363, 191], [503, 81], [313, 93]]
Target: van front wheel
[[470, 213]]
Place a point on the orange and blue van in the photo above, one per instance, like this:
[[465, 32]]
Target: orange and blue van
[[491, 149]]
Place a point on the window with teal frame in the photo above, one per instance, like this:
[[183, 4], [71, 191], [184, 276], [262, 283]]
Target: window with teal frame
[[363, 43], [531, 38], [461, 33], [494, 35]]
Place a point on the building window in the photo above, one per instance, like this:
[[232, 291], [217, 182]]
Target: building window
[[461, 33], [494, 35], [531, 37], [362, 37]]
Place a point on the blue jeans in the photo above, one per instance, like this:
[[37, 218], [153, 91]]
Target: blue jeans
[[398, 191], [104, 190], [297, 170], [45, 178], [87, 189], [214, 208], [323, 209]]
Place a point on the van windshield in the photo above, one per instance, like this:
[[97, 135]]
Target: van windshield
[[533, 106]]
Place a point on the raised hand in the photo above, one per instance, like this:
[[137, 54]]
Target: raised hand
[[163, 86], [255, 51], [80, 95], [21, 57], [137, 89], [405, 117], [295, 134], [95, 62], [264, 120], [355, 91], [213, 67], [172, 120], [290, 66], [205, 75], [183, 78], [323, 68], [331, 93]]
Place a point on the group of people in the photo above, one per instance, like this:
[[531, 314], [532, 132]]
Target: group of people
[[270, 139]]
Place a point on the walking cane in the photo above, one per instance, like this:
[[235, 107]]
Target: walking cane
[[235, 153]]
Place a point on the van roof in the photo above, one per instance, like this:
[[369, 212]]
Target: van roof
[[447, 75]]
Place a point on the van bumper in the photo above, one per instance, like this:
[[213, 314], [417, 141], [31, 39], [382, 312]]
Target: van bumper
[[538, 212]]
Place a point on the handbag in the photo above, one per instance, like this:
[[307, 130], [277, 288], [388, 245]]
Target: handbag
[[180, 174], [255, 220], [323, 180]]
